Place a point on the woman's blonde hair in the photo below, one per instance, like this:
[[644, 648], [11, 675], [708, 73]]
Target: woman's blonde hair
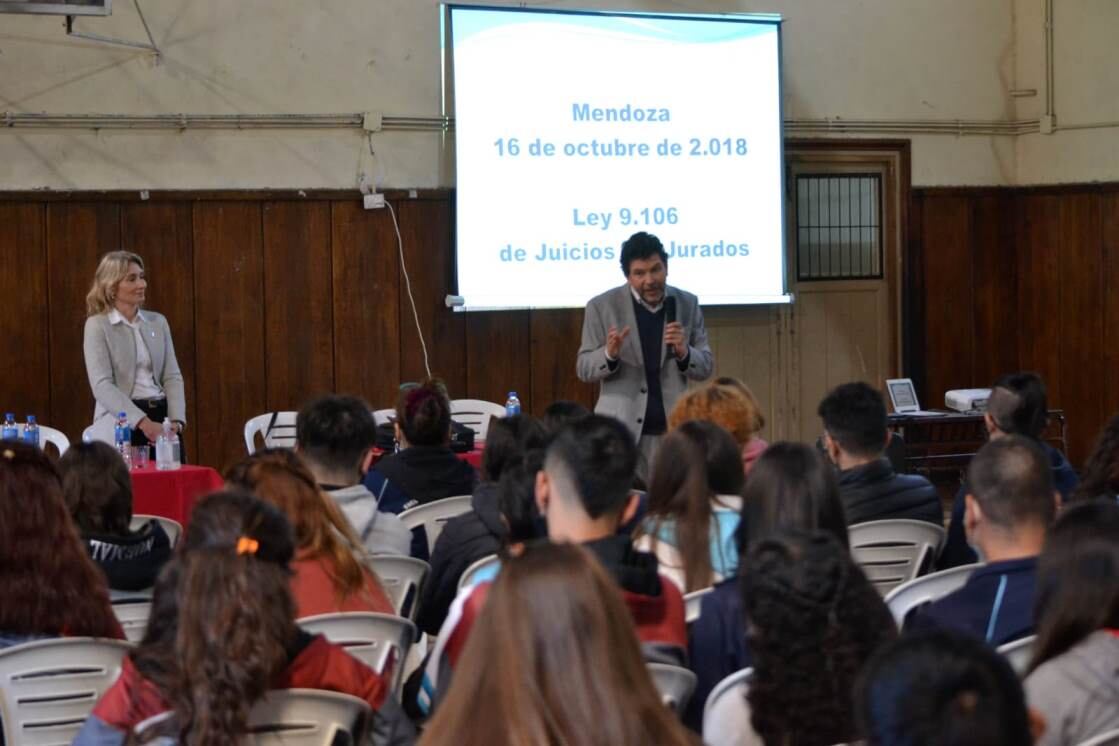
[[112, 269], [732, 407]]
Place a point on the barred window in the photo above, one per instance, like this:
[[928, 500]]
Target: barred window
[[839, 226]]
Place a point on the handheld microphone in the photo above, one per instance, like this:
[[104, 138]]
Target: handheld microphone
[[670, 316]]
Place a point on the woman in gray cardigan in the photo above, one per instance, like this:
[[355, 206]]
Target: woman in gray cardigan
[[1074, 679], [129, 356]]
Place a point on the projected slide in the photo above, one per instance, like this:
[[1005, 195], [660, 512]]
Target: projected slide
[[575, 130]]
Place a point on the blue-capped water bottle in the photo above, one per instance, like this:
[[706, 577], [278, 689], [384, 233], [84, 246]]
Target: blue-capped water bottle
[[512, 405], [11, 429], [123, 438], [31, 431]]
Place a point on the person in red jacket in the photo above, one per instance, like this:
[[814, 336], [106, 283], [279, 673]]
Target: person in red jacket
[[222, 633]]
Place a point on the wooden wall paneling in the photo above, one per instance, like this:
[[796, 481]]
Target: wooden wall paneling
[[1081, 328], [78, 233], [555, 338], [914, 310], [1039, 290], [425, 227], [995, 262], [366, 298], [162, 234], [1109, 209], [949, 300], [229, 318], [497, 353], [298, 303], [24, 325]]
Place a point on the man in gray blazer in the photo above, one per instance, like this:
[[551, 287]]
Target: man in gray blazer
[[643, 363]]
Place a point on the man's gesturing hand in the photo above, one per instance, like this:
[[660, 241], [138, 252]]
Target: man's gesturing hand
[[614, 339]]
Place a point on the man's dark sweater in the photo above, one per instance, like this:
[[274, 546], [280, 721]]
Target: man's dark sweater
[[650, 330], [875, 492]]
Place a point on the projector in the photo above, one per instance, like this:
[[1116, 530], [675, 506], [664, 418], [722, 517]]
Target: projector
[[967, 400]]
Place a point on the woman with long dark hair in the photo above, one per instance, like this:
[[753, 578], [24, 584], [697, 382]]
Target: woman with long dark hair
[[49, 587], [327, 575], [813, 620], [98, 494], [1074, 675], [553, 659], [693, 506], [222, 633], [790, 487], [1101, 471]]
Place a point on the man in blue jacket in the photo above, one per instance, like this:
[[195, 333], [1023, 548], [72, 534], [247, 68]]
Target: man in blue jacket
[[1008, 507]]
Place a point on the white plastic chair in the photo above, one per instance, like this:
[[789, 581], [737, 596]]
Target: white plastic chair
[[374, 639], [480, 571], [287, 717], [277, 429], [49, 687], [173, 528], [908, 596], [674, 683], [893, 552], [48, 435], [726, 714], [133, 617], [476, 414], [383, 416], [433, 515], [693, 604], [1019, 653], [1110, 738], [399, 576]]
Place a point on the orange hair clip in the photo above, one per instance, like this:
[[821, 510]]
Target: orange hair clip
[[245, 545]]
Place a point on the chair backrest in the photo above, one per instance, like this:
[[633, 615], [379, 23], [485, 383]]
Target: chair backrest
[[475, 414], [895, 551], [49, 687], [693, 603], [674, 683], [908, 596], [277, 429], [383, 416], [173, 528], [480, 571], [377, 640], [1108, 738], [433, 515], [402, 578], [133, 617], [726, 714], [286, 717], [1019, 653], [56, 438]]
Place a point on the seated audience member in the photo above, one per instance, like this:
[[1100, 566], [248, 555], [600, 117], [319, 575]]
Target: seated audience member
[[1017, 406], [1009, 506], [49, 585], [223, 632], [335, 435], [98, 493], [791, 488], [1101, 472], [941, 688], [694, 503], [730, 404], [855, 438], [425, 469], [583, 493], [559, 413], [327, 575], [813, 620], [483, 531], [553, 660], [1074, 682]]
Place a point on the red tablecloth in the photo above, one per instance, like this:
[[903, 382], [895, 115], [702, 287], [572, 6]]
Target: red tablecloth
[[474, 457], [171, 493]]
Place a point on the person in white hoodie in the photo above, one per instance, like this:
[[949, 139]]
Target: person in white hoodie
[[335, 436], [1074, 677]]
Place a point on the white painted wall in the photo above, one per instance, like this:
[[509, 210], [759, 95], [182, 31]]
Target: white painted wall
[[864, 59]]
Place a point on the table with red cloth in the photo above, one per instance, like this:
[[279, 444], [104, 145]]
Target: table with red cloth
[[472, 457], [171, 493]]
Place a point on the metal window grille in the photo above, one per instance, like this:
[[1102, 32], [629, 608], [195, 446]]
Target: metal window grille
[[839, 226]]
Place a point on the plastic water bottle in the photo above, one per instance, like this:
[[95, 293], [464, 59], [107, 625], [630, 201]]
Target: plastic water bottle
[[167, 448], [11, 429], [31, 431], [123, 437], [512, 405]]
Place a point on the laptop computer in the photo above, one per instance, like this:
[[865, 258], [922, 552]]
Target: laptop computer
[[904, 398]]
